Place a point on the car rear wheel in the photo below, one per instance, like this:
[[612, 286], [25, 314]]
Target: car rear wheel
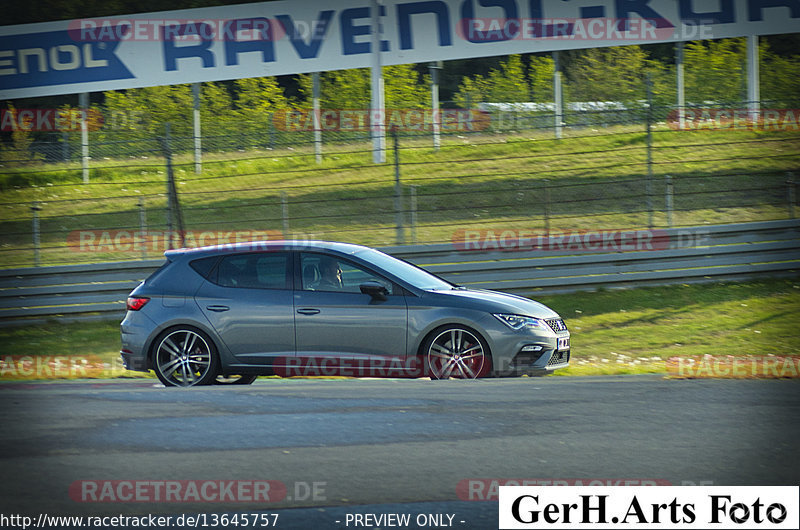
[[457, 352], [185, 356]]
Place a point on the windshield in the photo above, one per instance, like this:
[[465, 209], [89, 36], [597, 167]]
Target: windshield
[[411, 274]]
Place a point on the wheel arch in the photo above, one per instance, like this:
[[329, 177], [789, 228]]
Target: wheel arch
[[468, 325]]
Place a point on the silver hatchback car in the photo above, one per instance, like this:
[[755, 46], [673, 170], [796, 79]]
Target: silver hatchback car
[[230, 313]]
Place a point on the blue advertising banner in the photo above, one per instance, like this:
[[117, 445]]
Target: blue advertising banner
[[290, 37]]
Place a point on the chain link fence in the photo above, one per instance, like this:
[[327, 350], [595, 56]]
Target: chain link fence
[[499, 174]]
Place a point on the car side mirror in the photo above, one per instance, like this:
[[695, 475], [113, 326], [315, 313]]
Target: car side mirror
[[375, 289]]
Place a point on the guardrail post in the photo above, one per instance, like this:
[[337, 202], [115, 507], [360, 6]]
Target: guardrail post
[[37, 261], [285, 214], [143, 227], [668, 201], [791, 195]]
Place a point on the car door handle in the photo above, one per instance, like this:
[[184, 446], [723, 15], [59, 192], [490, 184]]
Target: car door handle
[[217, 308], [308, 311]]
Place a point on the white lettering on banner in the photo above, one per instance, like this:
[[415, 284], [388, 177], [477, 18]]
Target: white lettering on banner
[[285, 37]]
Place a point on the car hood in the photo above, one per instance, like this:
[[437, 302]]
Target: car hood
[[496, 302]]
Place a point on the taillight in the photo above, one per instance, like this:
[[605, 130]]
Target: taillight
[[135, 303]]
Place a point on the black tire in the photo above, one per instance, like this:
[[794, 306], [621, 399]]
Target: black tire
[[456, 351], [234, 379], [185, 356]]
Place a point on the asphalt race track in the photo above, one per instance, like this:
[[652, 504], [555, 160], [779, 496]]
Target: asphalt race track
[[341, 447]]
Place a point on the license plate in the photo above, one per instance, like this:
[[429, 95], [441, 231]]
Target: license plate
[[563, 343]]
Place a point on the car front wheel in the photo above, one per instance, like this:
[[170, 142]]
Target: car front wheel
[[457, 352], [185, 356]]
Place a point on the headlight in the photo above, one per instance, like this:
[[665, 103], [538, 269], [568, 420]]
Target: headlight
[[517, 322]]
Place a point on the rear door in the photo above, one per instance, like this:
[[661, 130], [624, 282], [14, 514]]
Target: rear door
[[248, 301]]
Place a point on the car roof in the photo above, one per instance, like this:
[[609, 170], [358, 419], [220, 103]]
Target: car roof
[[263, 246]]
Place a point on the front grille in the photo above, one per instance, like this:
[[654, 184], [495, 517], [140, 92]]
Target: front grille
[[559, 357], [557, 324]]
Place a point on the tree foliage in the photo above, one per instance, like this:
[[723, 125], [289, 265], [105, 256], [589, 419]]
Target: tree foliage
[[715, 70], [350, 89]]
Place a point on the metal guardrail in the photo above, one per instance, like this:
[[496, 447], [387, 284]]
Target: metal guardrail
[[556, 263]]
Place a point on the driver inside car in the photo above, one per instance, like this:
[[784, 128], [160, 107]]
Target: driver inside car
[[330, 275]]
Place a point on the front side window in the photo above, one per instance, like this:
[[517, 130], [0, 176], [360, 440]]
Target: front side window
[[253, 271], [327, 273]]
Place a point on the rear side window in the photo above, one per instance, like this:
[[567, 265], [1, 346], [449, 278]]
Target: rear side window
[[204, 266], [253, 271]]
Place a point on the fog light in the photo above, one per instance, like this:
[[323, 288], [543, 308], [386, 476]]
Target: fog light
[[531, 347]]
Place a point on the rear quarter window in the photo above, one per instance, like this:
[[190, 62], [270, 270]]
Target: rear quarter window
[[204, 266]]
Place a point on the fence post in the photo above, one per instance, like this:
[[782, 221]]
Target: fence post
[[791, 195], [271, 128], [558, 96], [65, 146], [84, 104], [198, 148], [649, 181], [434, 68], [398, 192], [668, 201], [36, 234], [285, 214], [173, 206], [316, 117], [413, 215], [143, 227]]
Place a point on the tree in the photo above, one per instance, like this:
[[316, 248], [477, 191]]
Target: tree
[[260, 95], [351, 89], [780, 78], [715, 71], [613, 74], [540, 78], [506, 84], [145, 110], [20, 152]]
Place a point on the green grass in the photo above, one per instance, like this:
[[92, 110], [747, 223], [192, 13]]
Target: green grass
[[613, 332], [594, 179]]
